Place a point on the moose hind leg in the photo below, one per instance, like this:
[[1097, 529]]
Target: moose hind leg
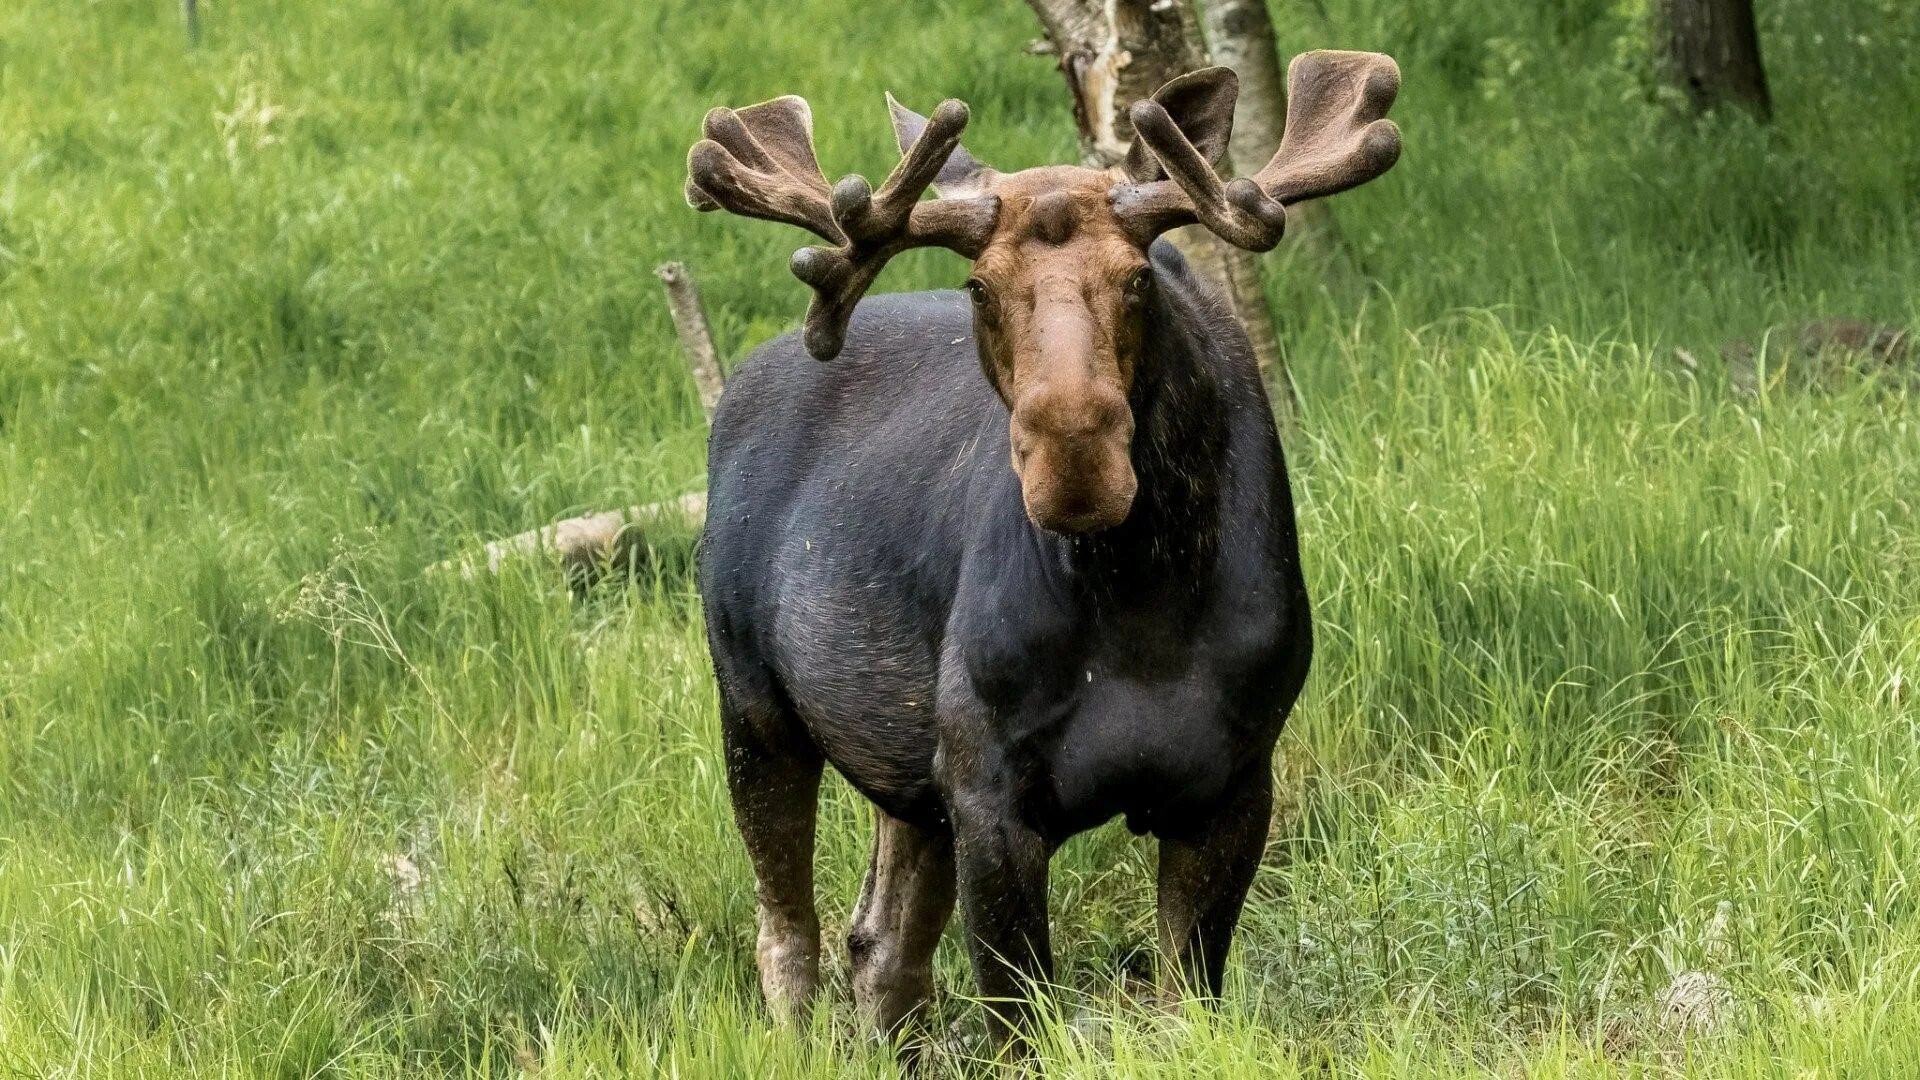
[[1204, 878], [904, 905], [773, 776]]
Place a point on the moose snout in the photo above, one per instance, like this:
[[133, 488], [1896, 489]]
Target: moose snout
[[1074, 459]]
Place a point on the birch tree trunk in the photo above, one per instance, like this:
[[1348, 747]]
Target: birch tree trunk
[[1711, 51], [1113, 53]]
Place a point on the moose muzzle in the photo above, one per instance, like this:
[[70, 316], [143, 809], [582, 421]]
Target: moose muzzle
[[1072, 449]]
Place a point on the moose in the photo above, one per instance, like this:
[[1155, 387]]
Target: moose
[[1002, 657]]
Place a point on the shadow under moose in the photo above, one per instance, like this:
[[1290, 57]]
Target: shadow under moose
[[1020, 559]]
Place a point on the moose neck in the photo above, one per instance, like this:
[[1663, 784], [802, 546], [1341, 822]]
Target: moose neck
[[1171, 533]]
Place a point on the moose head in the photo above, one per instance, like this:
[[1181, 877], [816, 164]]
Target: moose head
[[1061, 282]]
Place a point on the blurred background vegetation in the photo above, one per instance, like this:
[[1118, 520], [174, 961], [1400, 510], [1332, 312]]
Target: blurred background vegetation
[[1617, 668]]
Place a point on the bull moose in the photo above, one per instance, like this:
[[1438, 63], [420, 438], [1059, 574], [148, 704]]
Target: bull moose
[[1001, 657]]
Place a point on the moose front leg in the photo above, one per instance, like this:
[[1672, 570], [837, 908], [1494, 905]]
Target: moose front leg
[[1002, 868], [1204, 877]]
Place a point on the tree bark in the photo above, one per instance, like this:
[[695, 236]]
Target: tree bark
[[1115, 52], [1711, 51]]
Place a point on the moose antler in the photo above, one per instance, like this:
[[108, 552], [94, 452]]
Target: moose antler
[[759, 162], [1337, 137]]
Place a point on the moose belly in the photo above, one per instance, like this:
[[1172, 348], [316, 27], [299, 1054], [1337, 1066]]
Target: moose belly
[[1160, 755]]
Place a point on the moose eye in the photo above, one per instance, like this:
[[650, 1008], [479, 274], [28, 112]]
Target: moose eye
[[1138, 284], [977, 291]]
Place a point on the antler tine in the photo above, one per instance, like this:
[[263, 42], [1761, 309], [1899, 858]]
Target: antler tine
[[871, 217], [1337, 135], [1237, 211], [880, 224], [759, 162]]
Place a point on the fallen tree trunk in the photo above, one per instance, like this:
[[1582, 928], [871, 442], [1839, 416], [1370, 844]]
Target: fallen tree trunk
[[1823, 354], [591, 546]]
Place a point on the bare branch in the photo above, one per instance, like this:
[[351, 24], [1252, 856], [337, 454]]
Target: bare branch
[[690, 325]]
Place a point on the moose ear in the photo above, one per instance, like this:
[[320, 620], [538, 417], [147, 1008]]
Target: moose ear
[[1201, 105], [961, 176]]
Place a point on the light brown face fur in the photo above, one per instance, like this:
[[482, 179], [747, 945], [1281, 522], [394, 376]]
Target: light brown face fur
[[1059, 297]]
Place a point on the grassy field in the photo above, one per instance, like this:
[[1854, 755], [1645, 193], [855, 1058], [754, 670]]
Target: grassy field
[[1619, 673]]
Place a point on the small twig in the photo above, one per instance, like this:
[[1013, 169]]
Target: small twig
[[690, 324]]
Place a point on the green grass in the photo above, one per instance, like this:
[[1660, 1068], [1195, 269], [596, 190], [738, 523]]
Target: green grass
[[1605, 650]]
